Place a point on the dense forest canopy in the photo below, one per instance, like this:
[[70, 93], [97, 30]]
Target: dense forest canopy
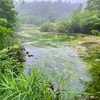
[[81, 21], [42, 11]]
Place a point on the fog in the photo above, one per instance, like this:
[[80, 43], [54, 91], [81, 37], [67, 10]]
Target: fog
[[73, 1], [40, 12]]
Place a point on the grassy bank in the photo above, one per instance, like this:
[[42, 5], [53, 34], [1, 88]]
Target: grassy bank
[[88, 49]]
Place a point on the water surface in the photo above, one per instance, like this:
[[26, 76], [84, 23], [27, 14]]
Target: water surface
[[52, 50]]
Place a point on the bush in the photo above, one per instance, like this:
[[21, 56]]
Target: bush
[[48, 27], [8, 59], [5, 33], [63, 26], [95, 32], [4, 36]]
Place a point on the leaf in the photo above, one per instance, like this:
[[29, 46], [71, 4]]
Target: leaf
[[4, 51], [16, 46]]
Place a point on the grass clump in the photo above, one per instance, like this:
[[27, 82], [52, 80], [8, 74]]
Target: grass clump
[[25, 87], [8, 59], [34, 86]]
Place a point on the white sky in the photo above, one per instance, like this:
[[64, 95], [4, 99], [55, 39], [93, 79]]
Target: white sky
[[73, 1]]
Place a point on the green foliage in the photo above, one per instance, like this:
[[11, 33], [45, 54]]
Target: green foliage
[[48, 27], [17, 25], [63, 26], [8, 59], [4, 51], [36, 85], [93, 59], [7, 11], [40, 12], [2, 20], [79, 9], [4, 36], [25, 87], [95, 32], [93, 5], [84, 22]]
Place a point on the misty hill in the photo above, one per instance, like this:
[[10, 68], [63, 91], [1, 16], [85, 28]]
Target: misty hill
[[39, 12]]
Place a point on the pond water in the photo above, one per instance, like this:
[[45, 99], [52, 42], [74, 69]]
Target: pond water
[[52, 51]]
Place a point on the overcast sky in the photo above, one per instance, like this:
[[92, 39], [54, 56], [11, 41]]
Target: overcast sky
[[73, 1]]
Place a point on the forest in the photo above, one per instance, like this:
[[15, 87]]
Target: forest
[[39, 12], [51, 27], [67, 16]]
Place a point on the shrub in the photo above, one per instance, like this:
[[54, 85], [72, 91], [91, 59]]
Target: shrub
[[48, 27], [5, 33], [63, 26], [95, 32], [8, 59]]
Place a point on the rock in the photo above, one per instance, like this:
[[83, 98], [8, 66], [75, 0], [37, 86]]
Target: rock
[[30, 55], [27, 52]]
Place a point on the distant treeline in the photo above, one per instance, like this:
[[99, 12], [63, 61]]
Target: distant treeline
[[82, 21], [42, 11]]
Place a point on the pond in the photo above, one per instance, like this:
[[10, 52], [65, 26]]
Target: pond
[[52, 51]]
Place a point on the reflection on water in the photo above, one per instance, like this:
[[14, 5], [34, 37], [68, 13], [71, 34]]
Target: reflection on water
[[52, 51]]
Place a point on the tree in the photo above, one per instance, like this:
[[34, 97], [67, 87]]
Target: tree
[[7, 11], [4, 34], [87, 20], [76, 19], [45, 11], [79, 9], [93, 5]]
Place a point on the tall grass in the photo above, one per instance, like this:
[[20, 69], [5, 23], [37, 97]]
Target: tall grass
[[25, 87], [34, 86]]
